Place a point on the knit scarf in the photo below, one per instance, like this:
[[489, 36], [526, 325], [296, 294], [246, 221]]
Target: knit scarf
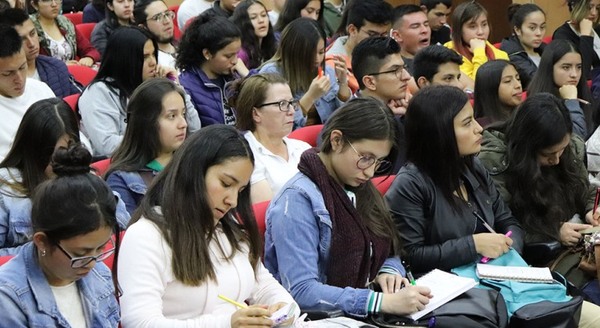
[[356, 254]]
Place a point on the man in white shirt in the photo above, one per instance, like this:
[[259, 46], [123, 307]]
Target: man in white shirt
[[155, 16], [17, 92], [190, 9]]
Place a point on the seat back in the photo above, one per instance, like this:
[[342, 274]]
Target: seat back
[[83, 74], [72, 101], [86, 29], [383, 183], [75, 18], [308, 134], [176, 31], [101, 166]]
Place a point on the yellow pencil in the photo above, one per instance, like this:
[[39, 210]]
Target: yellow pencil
[[229, 300]]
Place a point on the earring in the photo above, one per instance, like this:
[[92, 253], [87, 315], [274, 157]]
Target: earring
[[43, 252]]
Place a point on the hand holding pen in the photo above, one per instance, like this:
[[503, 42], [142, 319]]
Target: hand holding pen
[[256, 315], [593, 216], [491, 245]]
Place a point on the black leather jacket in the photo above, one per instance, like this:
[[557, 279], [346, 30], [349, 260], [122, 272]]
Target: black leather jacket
[[433, 234]]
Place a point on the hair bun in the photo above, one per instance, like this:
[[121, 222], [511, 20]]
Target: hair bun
[[72, 160]]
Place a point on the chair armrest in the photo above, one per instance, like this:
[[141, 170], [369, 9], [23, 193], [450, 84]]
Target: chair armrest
[[541, 253]]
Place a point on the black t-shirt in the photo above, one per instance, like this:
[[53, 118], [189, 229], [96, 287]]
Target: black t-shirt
[[440, 36]]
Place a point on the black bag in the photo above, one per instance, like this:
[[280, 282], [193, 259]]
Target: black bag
[[550, 314], [476, 308]]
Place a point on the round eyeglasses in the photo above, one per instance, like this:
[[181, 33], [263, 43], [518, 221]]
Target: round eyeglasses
[[284, 105], [80, 262], [365, 162]]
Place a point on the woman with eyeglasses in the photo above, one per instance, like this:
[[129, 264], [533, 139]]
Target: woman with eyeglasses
[[329, 234], [58, 280], [320, 89], [443, 200], [58, 36], [265, 110]]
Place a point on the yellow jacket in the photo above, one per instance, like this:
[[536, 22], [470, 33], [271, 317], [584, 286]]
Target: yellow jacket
[[470, 67]]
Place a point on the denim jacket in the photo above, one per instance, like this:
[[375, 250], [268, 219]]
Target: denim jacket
[[15, 214], [28, 301], [325, 105], [130, 186], [297, 245]]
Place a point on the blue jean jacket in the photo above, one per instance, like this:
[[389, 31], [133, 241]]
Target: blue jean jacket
[[15, 215], [27, 300], [297, 245], [325, 105], [130, 186]]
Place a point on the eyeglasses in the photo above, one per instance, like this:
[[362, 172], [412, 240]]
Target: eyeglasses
[[80, 262], [284, 105], [398, 71], [58, 2], [160, 17], [365, 162]]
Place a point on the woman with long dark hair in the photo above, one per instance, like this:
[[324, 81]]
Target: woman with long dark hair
[[194, 241], [561, 73], [58, 279], [498, 92], [129, 60], [156, 127], [329, 233], [258, 39]]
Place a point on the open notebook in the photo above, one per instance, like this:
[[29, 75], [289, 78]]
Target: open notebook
[[444, 287], [517, 273]]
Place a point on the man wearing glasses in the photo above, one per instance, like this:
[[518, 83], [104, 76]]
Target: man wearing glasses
[[366, 18], [154, 16], [381, 74]]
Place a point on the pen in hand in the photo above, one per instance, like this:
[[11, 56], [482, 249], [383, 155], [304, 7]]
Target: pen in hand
[[486, 259]]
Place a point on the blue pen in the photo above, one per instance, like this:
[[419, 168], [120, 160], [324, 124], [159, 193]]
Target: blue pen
[[431, 323]]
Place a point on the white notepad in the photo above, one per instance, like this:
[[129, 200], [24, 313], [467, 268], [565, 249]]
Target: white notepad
[[517, 273], [444, 287]]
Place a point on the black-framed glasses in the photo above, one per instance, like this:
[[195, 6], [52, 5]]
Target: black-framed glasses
[[80, 262], [398, 71], [365, 162], [284, 105], [160, 17]]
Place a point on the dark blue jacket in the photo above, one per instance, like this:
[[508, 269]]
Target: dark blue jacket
[[55, 74], [206, 96]]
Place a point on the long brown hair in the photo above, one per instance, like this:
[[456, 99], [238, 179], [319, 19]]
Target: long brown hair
[[185, 217]]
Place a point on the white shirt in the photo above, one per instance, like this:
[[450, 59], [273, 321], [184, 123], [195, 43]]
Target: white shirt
[[190, 9], [13, 109], [275, 169], [273, 17], [152, 297], [166, 59], [69, 304]]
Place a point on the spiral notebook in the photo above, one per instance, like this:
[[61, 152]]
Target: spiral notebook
[[444, 287], [517, 273]]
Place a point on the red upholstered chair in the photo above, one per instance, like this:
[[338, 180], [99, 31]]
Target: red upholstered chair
[[75, 18], [111, 259], [72, 101], [86, 29], [176, 31], [547, 39], [383, 183], [5, 258], [260, 211], [309, 134], [83, 74], [101, 166], [497, 45]]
